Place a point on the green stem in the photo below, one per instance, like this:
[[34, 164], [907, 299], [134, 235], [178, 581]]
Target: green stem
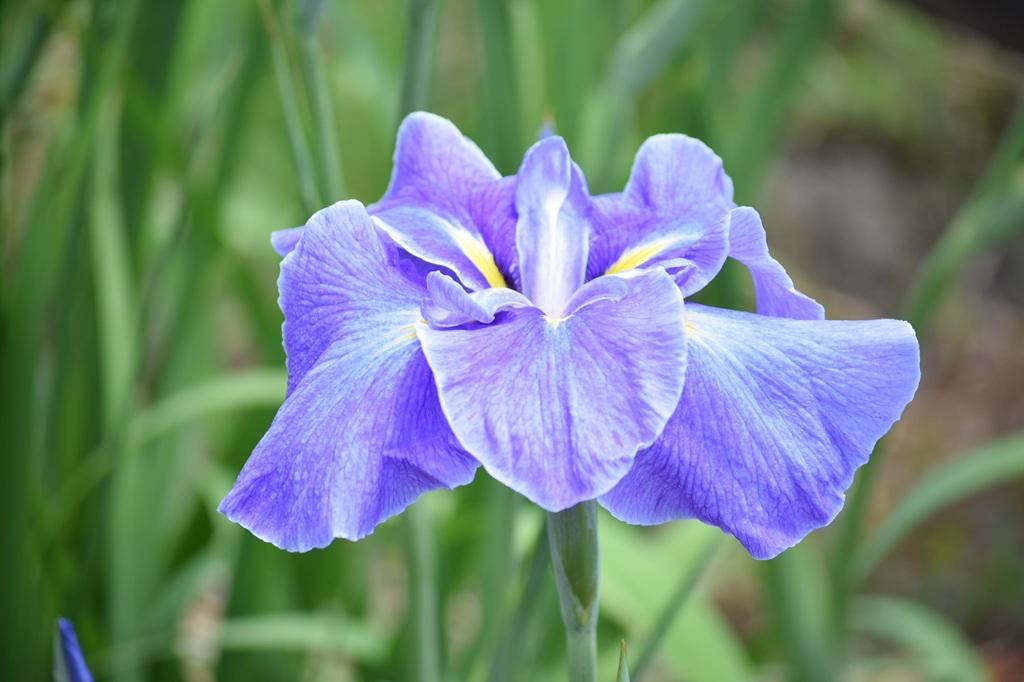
[[574, 559], [581, 653]]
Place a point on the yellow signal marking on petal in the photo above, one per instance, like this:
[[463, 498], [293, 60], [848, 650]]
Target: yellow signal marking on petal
[[555, 321], [638, 255], [408, 335], [481, 257]]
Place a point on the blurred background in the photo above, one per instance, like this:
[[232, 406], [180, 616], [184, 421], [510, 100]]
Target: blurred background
[[149, 149]]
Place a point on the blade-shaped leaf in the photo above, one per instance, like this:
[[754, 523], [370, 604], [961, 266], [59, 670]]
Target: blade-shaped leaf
[[994, 463], [623, 674], [940, 650]]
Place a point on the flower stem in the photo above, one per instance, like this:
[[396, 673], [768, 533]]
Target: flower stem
[[581, 653], [574, 559]]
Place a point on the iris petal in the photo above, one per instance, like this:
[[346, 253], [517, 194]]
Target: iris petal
[[70, 663], [553, 230], [681, 172], [692, 252], [361, 433], [671, 212], [447, 204], [775, 417], [449, 305], [284, 241], [774, 289], [556, 408]]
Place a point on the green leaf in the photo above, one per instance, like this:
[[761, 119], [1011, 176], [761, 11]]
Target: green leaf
[[25, 31], [115, 289], [636, 58], [764, 113], [623, 674], [977, 226], [303, 632], [527, 53], [418, 55], [798, 594], [993, 212], [499, 84], [994, 463], [249, 389], [989, 215], [508, 654], [288, 97], [699, 644], [644, 50], [940, 650], [689, 580], [573, 41], [325, 147]]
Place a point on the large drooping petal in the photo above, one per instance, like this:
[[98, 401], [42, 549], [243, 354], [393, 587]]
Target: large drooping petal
[[556, 408], [361, 433], [553, 229], [671, 213], [774, 289], [775, 416], [447, 204]]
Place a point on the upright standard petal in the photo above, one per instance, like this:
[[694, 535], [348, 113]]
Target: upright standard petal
[[773, 288], [284, 241], [775, 417], [444, 200], [672, 213], [361, 433], [553, 230], [556, 408]]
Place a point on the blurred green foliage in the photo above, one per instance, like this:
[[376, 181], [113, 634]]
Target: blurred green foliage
[[151, 147]]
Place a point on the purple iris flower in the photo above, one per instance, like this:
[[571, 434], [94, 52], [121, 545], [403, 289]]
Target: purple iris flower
[[69, 663], [522, 324]]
